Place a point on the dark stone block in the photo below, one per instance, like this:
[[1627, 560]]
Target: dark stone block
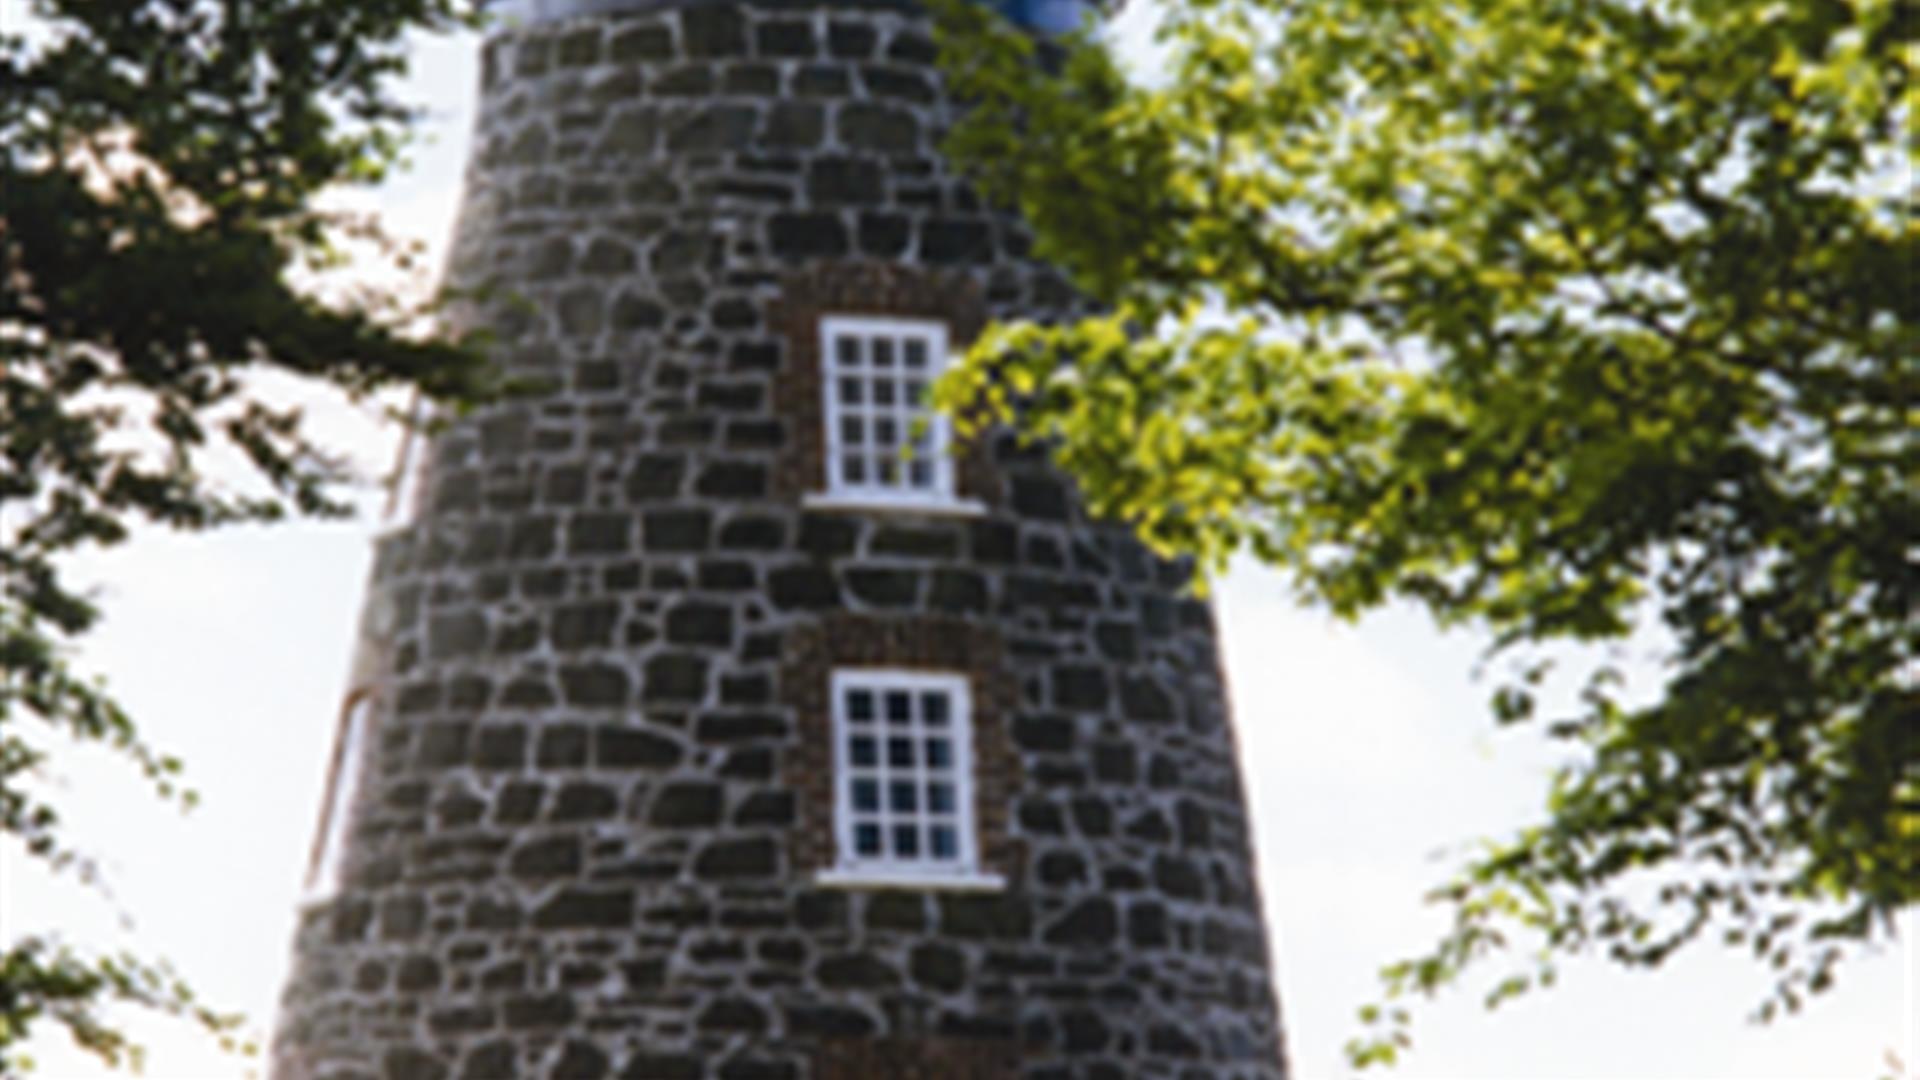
[[1178, 878], [733, 1015], [641, 43], [1150, 826], [994, 916], [584, 626], [609, 909], [410, 1063], [444, 744], [599, 533], [843, 180], [716, 129], [687, 80], [794, 125], [582, 801], [1147, 926], [1039, 497], [884, 234], [619, 747], [1080, 688], [803, 588], [490, 1061], [938, 967], [562, 746], [697, 623], [531, 538], [1117, 641], [539, 1011], [1057, 868], [917, 50], [713, 31], [825, 536], [750, 80], [769, 809], [727, 575], [850, 41], [518, 803], [402, 917], [688, 805], [1115, 763], [884, 588], [1043, 734], [456, 634], [900, 911], [753, 534], [1082, 1032], [734, 860], [727, 728], [1196, 824], [828, 1022], [594, 684], [606, 256], [945, 241], [732, 480], [916, 543], [901, 83], [675, 677], [667, 531], [1037, 815], [580, 1060], [1144, 699], [557, 856], [653, 1066], [821, 80], [631, 313], [806, 236], [500, 746], [855, 971], [785, 38], [878, 128]]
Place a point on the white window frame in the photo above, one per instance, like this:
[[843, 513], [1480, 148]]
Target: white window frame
[[328, 862], [942, 496], [852, 869]]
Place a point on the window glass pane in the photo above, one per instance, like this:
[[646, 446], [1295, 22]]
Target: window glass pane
[[900, 753], [846, 348], [902, 797], [882, 352], [914, 352], [933, 708], [859, 705], [852, 431], [884, 391], [887, 470], [853, 391], [940, 797], [865, 751], [917, 393], [854, 469], [899, 706], [866, 795], [944, 841], [939, 753], [906, 841], [920, 474], [866, 839], [886, 433]]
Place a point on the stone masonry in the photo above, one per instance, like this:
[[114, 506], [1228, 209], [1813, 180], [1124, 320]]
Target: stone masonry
[[598, 790]]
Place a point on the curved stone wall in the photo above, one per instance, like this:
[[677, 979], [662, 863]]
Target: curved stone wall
[[593, 806]]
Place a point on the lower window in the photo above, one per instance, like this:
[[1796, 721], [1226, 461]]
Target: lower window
[[903, 775]]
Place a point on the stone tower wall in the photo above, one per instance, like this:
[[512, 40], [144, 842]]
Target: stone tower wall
[[597, 793]]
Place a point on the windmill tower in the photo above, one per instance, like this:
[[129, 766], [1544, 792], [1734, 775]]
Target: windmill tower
[[699, 732]]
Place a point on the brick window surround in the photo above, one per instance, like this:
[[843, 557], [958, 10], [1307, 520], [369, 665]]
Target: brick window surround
[[915, 1059], [930, 643], [887, 290]]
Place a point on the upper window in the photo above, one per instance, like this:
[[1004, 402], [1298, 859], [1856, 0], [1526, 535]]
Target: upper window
[[885, 443], [903, 775]]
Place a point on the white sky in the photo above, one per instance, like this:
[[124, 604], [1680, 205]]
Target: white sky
[[1365, 750]]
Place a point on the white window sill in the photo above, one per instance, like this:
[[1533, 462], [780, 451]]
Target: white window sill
[[867, 504], [899, 879]]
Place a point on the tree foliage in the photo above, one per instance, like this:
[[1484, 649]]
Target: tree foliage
[[1569, 320], [160, 165]]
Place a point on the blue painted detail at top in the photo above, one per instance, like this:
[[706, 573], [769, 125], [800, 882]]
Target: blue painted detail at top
[[1046, 16], [1043, 16]]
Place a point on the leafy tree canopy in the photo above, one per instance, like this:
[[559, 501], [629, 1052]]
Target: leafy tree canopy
[[1565, 319], [160, 162]]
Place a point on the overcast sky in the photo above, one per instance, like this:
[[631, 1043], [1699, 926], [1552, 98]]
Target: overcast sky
[[1366, 750]]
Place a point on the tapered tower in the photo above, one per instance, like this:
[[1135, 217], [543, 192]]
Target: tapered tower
[[718, 714]]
